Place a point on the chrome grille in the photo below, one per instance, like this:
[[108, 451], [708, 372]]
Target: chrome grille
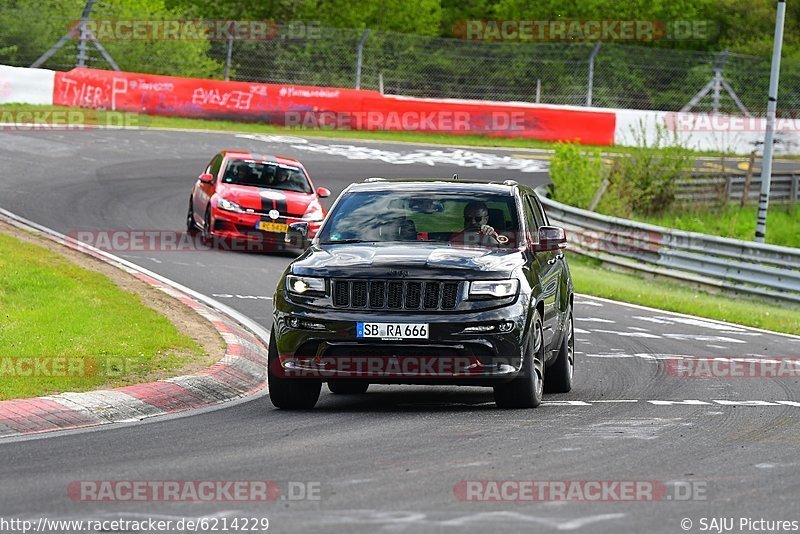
[[395, 294]]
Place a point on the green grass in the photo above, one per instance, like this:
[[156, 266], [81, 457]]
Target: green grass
[[51, 308], [591, 279], [783, 222], [153, 121]]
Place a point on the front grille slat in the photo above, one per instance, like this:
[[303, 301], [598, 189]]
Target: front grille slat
[[358, 293], [413, 294], [432, 291], [377, 294], [449, 295], [395, 294], [341, 293]]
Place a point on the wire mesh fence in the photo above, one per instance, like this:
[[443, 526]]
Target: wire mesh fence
[[624, 76]]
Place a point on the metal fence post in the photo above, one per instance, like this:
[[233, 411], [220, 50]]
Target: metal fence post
[[728, 188], [359, 55], [747, 179], [380, 82], [228, 56], [769, 133], [538, 90], [87, 11], [81, 62], [591, 73]]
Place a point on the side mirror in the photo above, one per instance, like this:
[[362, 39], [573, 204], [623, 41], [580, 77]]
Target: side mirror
[[296, 234], [206, 178], [300, 228], [550, 238], [323, 192]]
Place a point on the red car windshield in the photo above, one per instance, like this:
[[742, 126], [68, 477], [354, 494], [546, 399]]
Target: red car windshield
[[267, 175]]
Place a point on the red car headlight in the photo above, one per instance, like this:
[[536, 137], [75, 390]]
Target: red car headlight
[[228, 205], [313, 212]]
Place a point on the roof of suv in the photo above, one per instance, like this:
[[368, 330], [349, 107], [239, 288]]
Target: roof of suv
[[433, 184]]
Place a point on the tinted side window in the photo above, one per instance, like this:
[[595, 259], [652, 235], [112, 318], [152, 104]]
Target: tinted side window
[[533, 213], [213, 167], [542, 215], [530, 220]]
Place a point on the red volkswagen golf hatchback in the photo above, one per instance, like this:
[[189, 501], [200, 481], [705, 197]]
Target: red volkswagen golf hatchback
[[251, 199]]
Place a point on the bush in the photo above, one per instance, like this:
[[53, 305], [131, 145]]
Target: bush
[[645, 181], [576, 173]]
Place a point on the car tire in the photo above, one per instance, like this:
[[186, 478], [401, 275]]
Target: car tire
[[559, 375], [290, 393], [206, 235], [525, 391], [191, 228], [348, 387]]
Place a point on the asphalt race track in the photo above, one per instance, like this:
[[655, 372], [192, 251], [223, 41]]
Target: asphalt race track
[[392, 460]]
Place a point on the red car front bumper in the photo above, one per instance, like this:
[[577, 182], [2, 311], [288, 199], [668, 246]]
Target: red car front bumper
[[241, 230]]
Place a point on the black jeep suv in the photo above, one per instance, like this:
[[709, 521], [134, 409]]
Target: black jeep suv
[[426, 282]]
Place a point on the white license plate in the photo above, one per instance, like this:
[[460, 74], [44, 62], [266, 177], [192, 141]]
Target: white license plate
[[392, 330]]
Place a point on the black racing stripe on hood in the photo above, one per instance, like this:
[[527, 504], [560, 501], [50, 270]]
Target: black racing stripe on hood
[[282, 206]]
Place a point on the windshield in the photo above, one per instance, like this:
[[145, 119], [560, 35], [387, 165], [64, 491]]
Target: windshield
[[417, 216], [267, 175]]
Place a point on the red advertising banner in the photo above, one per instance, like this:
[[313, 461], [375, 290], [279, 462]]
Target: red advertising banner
[[325, 107]]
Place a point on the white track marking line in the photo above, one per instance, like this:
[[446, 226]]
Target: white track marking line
[[694, 337], [651, 319], [676, 314], [242, 297], [589, 303], [628, 334]]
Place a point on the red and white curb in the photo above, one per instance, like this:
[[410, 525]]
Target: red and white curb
[[241, 372]]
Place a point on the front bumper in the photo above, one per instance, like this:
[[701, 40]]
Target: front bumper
[[323, 344], [242, 228]]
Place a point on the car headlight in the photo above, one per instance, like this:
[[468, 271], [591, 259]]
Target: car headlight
[[313, 212], [227, 205], [302, 285], [493, 288]]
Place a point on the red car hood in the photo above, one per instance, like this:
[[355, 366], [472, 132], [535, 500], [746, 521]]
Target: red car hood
[[286, 202]]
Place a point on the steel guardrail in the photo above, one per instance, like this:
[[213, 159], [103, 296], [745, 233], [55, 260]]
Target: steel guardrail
[[730, 264]]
